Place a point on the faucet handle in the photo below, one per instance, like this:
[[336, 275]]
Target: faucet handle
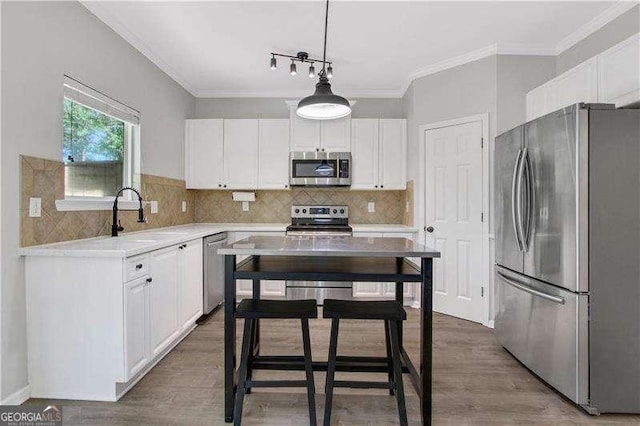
[[120, 227]]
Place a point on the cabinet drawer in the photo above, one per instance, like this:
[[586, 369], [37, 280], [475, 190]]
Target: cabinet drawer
[[135, 267]]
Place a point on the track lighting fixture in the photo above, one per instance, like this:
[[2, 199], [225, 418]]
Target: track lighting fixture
[[300, 57]]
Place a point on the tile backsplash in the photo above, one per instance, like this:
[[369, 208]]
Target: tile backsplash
[[275, 206], [45, 179]]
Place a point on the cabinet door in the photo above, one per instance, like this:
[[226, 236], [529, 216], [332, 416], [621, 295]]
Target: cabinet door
[[619, 73], [191, 276], [367, 289], [393, 154], [274, 289], [240, 154], [163, 299], [136, 326], [336, 135], [579, 84], [305, 133], [539, 102], [273, 154], [203, 153], [364, 152]]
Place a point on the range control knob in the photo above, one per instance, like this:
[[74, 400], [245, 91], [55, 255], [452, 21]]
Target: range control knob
[[304, 210], [297, 210], [335, 211], [341, 210]]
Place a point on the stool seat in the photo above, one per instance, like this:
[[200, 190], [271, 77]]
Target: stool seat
[[278, 309], [389, 310]]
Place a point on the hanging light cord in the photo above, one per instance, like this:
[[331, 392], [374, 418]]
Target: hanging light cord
[[326, 24]]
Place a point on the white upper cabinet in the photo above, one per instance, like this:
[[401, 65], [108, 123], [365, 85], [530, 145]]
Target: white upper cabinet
[[273, 154], [539, 101], [305, 134], [619, 73], [335, 135], [611, 77], [364, 153], [240, 154], [378, 149], [579, 84], [203, 153], [393, 154], [320, 135]]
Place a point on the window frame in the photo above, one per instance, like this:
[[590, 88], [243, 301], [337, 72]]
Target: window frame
[[81, 94]]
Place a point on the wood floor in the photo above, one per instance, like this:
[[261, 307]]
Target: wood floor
[[475, 382]]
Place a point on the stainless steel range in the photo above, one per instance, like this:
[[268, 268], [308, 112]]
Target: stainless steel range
[[319, 222]]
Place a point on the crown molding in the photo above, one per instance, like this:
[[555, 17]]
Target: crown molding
[[101, 13], [595, 24]]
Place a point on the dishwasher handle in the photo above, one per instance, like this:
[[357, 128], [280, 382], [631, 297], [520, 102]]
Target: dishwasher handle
[[217, 243], [556, 299]]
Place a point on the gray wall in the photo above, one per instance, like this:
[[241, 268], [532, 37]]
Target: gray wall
[[277, 108], [611, 34], [517, 75], [40, 43]]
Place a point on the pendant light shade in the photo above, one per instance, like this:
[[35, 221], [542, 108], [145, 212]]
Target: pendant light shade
[[323, 104]]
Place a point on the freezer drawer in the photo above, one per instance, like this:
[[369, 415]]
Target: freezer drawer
[[546, 328]]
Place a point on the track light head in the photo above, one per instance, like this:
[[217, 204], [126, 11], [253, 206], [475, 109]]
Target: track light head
[[274, 64], [329, 71], [292, 68], [312, 71]]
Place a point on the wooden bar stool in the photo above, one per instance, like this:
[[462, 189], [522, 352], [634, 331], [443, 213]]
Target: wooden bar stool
[[252, 310], [392, 313]]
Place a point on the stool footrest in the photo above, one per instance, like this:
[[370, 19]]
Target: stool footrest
[[276, 384], [363, 384]]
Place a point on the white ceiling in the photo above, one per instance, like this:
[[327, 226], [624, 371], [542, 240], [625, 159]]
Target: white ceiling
[[222, 48]]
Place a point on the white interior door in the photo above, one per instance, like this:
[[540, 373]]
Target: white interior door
[[453, 200]]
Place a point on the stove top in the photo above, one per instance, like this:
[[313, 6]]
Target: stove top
[[319, 220]]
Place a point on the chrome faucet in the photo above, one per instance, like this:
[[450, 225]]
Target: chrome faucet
[[115, 225]]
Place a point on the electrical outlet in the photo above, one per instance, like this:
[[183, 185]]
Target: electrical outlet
[[245, 206], [184, 206], [35, 207], [154, 207], [406, 207], [371, 207]]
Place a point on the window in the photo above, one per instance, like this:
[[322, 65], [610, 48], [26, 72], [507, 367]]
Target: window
[[100, 144]]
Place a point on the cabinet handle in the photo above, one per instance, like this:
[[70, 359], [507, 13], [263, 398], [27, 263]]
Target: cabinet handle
[[224, 186], [376, 186], [286, 186], [139, 266], [317, 149], [381, 186], [149, 280], [219, 185], [322, 150]]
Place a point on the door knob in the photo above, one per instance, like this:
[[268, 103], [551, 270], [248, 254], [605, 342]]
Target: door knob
[[429, 229]]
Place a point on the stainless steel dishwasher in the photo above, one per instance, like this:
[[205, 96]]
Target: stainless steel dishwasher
[[213, 272]]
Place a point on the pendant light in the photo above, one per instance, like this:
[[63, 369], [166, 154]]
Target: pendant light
[[323, 104]]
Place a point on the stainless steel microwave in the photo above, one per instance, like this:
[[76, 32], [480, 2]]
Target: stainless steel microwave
[[317, 168]]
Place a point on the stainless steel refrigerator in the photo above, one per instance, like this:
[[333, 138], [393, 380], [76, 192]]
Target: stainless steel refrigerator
[[567, 274]]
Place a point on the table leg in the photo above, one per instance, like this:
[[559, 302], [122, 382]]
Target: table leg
[[426, 343], [256, 295], [229, 337], [400, 296]]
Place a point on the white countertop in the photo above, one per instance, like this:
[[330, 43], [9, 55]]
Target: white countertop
[[134, 243]]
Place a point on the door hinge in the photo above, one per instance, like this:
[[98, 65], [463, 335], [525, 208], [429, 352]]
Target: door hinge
[[481, 142], [481, 291], [481, 217]]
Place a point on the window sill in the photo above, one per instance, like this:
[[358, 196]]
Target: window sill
[[94, 205]]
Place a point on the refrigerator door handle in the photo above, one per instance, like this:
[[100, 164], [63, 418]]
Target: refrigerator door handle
[[556, 299], [515, 200], [530, 200]]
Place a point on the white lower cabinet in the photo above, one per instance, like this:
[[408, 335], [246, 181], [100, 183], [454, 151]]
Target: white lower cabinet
[[268, 288], [190, 285], [163, 298], [136, 325], [369, 290]]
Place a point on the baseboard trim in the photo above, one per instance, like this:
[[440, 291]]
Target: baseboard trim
[[18, 397], [490, 324]]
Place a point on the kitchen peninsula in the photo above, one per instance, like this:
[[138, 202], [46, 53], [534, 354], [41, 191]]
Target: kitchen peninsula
[[335, 258]]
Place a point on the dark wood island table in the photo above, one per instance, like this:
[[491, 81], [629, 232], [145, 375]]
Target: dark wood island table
[[330, 258]]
